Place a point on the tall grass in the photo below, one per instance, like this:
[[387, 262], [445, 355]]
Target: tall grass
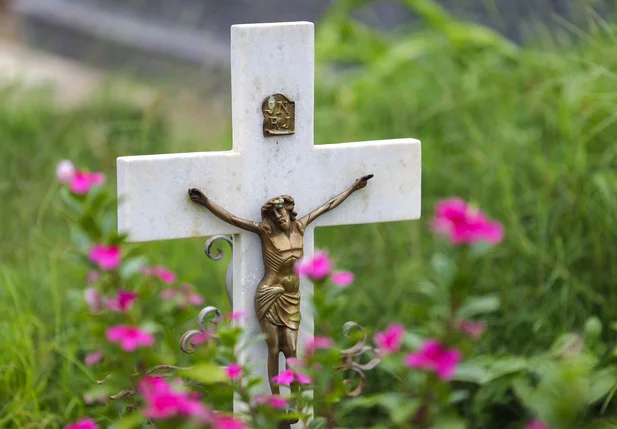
[[526, 132]]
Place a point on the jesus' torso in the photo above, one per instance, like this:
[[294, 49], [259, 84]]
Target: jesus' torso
[[280, 253]]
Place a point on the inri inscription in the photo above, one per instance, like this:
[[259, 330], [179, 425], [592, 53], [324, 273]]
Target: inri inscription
[[279, 115]]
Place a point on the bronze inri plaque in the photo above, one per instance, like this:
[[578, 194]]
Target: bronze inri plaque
[[279, 115]]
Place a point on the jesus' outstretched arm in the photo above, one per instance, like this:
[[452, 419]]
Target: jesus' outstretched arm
[[198, 197], [336, 201]]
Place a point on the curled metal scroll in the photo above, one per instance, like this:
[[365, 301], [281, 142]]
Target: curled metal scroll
[[356, 351], [208, 314], [217, 257]]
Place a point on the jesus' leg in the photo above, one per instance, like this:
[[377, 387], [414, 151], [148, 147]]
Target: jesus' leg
[[272, 340]]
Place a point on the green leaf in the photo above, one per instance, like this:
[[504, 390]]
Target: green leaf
[[471, 373], [150, 326], [129, 422], [478, 305], [602, 382], [449, 422], [206, 373], [399, 406], [132, 266], [444, 268], [317, 423], [593, 328], [70, 200], [79, 238], [506, 366]]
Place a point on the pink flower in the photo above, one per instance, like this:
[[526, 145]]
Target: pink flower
[[317, 343], [233, 371], [129, 337], [536, 424], [163, 273], [316, 267], [83, 181], [83, 424], [284, 377], [275, 401], [389, 341], [342, 278], [93, 358], [106, 257], [474, 329], [462, 224], [226, 422], [92, 298], [165, 400], [295, 362], [168, 294], [237, 315], [200, 338], [65, 171], [433, 356], [92, 277], [185, 295], [288, 376], [303, 378], [194, 299], [123, 302]]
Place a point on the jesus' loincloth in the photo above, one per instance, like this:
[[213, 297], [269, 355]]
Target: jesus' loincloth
[[277, 306]]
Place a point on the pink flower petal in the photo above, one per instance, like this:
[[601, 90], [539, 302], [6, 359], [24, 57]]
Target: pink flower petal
[[237, 315], [462, 224], [164, 274], [195, 299], [284, 377], [303, 378], [83, 181], [317, 343], [295, 362], [316, 267], [433, 356], [93, 276], [275, 401], [343, 278], [65, 171], [225, 422], [536, 424], [83, 424], [168, 294], [129, 337], [93, 358], [474, 329], [200, 338], [166, 400], [92, 298], [123, 302], [106, 257], [390, 340], [233, 371]]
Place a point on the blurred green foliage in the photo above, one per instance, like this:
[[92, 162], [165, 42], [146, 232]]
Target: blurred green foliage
[[526, 132]]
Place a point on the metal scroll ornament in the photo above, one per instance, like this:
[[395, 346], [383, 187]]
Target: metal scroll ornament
[[217, 257], [277, 298], [350, 366]]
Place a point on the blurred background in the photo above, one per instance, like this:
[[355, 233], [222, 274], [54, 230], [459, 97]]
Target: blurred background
[[515, 103]]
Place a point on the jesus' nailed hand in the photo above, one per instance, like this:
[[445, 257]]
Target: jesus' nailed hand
[[277, 299]]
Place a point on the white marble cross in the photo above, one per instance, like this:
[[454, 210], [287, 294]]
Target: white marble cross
[[267, 59]]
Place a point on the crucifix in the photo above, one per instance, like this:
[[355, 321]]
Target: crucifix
[[273, 171]]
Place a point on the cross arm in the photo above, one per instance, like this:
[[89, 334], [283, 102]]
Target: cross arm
[[198, 197], [154, 201]]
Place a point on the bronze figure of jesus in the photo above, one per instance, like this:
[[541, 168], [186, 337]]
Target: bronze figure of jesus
[[277, 299]]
